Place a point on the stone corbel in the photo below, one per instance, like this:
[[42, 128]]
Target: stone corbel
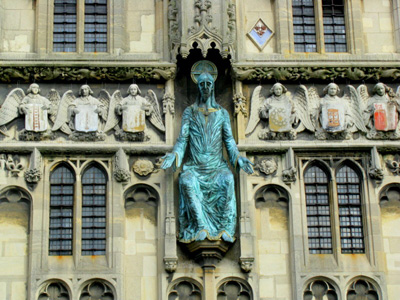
[[290, 173], [376, 170], [34, 173], [121, 167]]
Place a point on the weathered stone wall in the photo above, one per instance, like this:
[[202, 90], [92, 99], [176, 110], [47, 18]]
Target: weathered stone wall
[[18, 26], [378, 26]]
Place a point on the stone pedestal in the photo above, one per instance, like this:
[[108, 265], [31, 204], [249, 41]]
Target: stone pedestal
[[208, 254]]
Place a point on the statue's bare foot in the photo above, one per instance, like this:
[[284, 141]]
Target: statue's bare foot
[[227, 238], [201, 236]]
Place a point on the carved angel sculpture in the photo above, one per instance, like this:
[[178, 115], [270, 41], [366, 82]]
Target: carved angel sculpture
[[34, 106], [381, 112], [339, 117], [284, 118], [82, 115], [133, 110]]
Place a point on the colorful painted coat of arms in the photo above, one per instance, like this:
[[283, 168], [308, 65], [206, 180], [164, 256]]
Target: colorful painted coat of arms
[[333, 117], [280, 117], [385, 116]]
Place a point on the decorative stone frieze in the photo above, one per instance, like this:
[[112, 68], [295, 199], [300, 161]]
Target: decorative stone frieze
[[290, 73], [84, 74]]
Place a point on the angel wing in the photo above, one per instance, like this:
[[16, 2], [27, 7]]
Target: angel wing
[[305, 104], [61, 121], [256, 103], [55, 99], [356, 107], [155, 117], [10, 106], [104, 98], [113, 118]]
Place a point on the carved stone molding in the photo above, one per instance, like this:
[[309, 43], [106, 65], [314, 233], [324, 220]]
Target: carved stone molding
[[141, 193], [84, 74], [54, 290], [34, 172], [208, 253], [375, 171], [170, 264], [272, 195], [98, 290], [240, 104], [362, 289], [390, 195], [235, 289], [15, 194], [185, 289], [12, 164], [394, 165], [121, 166], [246, 264], [169, 103], [315, 73], [320, 289]]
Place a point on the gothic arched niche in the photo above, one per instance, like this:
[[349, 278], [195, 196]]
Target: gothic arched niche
[[185, 290], [54, 290], [234, 290], [361, 289], [271, 195], [320, 289], [15, 204], [97, 290], [390, 195]]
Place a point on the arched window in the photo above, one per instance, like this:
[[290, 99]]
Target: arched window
[[318, 210], [94, 189], [350, 216], [61, 211]]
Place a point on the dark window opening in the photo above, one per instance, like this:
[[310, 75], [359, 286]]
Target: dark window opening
[[304, 26], [95, 25], [334, 26], [64, 31]]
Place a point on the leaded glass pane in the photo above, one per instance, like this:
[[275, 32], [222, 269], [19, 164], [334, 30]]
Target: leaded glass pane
[[61, 211], [350, 215], [94, 188], [95, 25], [318, 211], [334, 26], [304, 26], [64, 26]]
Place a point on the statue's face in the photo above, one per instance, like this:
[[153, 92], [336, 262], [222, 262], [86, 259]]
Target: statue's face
[[35, 89], [278, 90], [85, 91], [332, 90], [380, 89], [206, 88], [133, 90]]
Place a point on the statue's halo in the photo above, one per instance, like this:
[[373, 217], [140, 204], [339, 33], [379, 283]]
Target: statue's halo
[[203, 66]]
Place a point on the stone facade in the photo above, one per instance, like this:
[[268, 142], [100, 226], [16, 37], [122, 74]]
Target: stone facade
[[154, 44]]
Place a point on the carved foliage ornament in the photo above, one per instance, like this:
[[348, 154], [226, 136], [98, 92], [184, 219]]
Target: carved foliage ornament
[[312, 73], [394, 165], [144, 167], [267, 166], [79, 74]]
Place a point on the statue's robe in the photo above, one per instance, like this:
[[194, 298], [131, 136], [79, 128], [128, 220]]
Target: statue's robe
[[206, 185]]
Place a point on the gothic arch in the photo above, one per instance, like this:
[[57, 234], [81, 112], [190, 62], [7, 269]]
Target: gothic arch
[[272, 195], [351, 164], [185, 287], [362, 287], [98, 164], [320, 288], [320, 164], [99, 289], [15, 194], [54, 289], [390, 194], [142, 193], [234, 288]]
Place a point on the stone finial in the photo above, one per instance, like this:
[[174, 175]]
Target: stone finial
[[121, 166], [290, 173], [375, 171], [34, 172]]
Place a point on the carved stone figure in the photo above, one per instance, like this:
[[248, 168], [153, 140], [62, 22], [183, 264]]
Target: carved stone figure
[[83, 115], [339, 117], [283, 116], [134, 109], [34, 106], [207, 208], [381, 113]]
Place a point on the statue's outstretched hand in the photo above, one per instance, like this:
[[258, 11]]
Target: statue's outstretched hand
[[245, 165], [169, 160]]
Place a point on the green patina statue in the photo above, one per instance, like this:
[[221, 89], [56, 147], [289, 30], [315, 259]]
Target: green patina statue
[[207, 206]]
